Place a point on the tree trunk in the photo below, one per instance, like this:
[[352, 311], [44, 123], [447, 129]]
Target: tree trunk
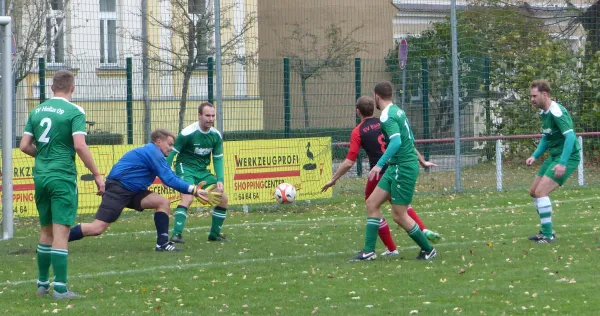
[[184, 92], [305, 103]]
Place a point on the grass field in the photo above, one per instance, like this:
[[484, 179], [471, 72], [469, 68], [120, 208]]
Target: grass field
[[293, 261]]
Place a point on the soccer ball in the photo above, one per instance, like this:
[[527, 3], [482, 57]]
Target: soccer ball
[[285, 193]]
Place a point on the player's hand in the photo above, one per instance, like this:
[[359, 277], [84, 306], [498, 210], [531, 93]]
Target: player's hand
[[207, 195], [328, 185], [559, 170], [374, 173], [99, 184], [428, 164], [220, 187], [530, 161]]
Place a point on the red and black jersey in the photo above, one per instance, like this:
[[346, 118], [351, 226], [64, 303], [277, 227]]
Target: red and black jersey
[[367, 135]]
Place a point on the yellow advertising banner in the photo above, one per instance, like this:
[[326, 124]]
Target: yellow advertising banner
[[253, 169]]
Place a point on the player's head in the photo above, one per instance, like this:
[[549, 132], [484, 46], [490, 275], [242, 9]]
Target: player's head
[[539, 93], [163, 139], [206, 115], [365, 106], [63, 83], [383, 93]]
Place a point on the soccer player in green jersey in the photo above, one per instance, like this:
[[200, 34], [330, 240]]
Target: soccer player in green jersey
[[193, 147], [399, 179], [54, 132], [558, 137]]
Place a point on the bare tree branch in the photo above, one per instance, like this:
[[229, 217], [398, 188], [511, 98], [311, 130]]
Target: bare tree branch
[[310, 58], [191, 42]]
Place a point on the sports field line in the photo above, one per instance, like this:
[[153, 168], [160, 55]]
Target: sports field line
[[345, 218], [242, 261], [332, 219]]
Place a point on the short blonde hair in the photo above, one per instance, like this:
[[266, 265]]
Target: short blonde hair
[[161, 133]]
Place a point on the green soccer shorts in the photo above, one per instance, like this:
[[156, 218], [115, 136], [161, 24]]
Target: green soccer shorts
[[550, 162], [56, 199], [400, 180], [195, 176]]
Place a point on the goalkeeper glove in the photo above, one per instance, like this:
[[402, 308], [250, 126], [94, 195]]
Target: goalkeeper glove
[[207, 195]]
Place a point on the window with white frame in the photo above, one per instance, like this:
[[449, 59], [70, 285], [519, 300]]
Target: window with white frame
[[108, 32], [197, 10], [55, 33]]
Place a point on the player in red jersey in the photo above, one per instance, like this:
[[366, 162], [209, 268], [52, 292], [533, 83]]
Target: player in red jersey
[[367, 134]]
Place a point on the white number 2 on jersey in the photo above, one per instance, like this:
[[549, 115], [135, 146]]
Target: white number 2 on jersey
[[48, 123]]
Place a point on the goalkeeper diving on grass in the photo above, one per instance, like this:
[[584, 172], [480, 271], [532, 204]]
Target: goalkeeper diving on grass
[[127, 187], [193, 147]]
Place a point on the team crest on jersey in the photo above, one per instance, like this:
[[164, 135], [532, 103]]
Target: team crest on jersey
[[202, 151], [547, 131]]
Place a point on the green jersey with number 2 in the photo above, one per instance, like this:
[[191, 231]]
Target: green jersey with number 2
[[52, 125], [395, 124]]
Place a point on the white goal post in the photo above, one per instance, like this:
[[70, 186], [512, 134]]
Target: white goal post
[[7, 122]]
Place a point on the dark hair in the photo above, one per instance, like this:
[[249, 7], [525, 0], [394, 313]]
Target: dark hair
[[542, 86], [161, 133], [365, 105], [203, 105], [384, 90], [62, 81]]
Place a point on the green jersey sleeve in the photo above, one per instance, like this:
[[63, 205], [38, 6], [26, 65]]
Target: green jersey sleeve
[[177, 147], [78, 124], [564, 123], [218, 149], [391, 127], [180, 143], [218, 161], [28, 126]]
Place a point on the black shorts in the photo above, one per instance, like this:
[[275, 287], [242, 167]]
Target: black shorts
[[116, 197]]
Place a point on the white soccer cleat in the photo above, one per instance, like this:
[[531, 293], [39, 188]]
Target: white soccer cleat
[[388, 253]]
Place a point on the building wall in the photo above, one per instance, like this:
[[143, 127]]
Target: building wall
[[331, 97], [104, 85], [111, 116]]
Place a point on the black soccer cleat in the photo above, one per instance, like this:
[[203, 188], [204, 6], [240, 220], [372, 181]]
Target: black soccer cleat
[[177, 239], [364, 256], [427, 255], [546, 240], [168, 246], [540, 236], [219, 238]]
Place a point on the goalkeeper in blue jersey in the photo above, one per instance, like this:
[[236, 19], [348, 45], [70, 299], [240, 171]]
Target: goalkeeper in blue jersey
[[127, 186], [194, 147]]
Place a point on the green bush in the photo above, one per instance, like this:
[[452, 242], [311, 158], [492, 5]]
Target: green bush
[[104, 138]]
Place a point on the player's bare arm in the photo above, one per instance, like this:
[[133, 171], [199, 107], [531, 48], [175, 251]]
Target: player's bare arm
[[424, 163], [27, 146], [83, 151], [345, 166]]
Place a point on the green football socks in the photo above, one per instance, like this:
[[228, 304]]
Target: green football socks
[[43, 261], [218, 217], [180, 218], [59, 263], [371, 233], [417, 235]]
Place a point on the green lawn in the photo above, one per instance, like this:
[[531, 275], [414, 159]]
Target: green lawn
[[293, 261]]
